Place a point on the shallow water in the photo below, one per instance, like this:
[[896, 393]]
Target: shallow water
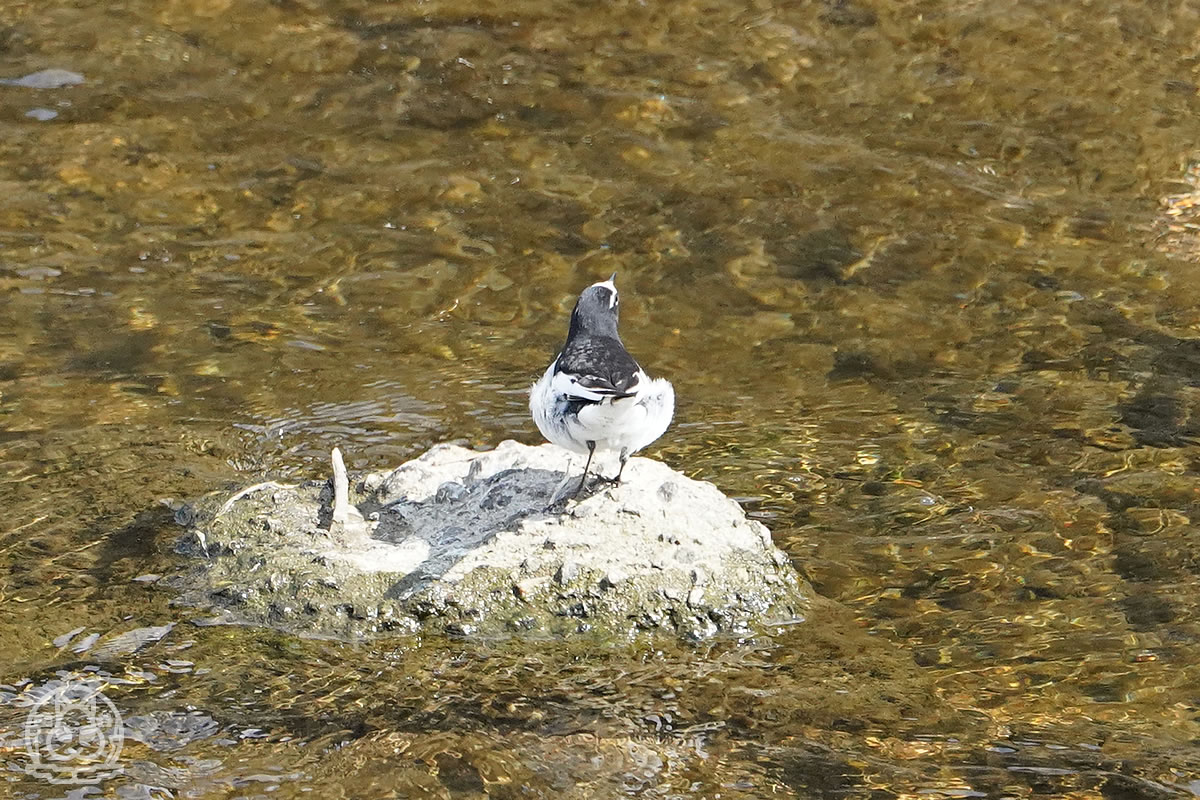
[[923, 275]]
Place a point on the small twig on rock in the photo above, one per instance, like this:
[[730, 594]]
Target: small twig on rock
[[562, 485], [341, 488], [347, 516], [251, 490]]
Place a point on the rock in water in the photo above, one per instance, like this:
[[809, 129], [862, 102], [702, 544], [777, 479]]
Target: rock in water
[[463, 542], [45, 79]]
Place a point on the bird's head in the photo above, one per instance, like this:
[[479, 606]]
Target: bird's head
[[596, 311]]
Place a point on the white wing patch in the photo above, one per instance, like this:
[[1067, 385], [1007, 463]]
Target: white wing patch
[[565, 383]]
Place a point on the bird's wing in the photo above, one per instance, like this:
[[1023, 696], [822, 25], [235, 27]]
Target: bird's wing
[[590, 388], [593, 368]]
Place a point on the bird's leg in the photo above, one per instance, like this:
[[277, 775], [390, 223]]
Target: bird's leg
[[617, 480], [624, 458], [591, 445], [591, 452]]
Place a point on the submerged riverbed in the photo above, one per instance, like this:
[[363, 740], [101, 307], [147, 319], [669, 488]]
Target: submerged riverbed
[[923, 275]]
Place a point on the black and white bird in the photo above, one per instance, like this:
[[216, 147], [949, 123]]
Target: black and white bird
[[594, 396]]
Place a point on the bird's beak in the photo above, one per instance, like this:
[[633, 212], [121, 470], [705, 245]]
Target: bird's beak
[[612, 277]]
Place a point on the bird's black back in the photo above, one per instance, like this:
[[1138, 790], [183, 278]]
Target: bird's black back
[[601, 363]]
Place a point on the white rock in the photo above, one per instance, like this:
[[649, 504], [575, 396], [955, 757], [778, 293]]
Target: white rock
[[659, 551]]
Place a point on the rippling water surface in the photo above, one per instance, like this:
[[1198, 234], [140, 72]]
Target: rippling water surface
[[923, 273]]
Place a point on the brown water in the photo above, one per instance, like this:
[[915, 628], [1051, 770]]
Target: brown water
[[907, 265]]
